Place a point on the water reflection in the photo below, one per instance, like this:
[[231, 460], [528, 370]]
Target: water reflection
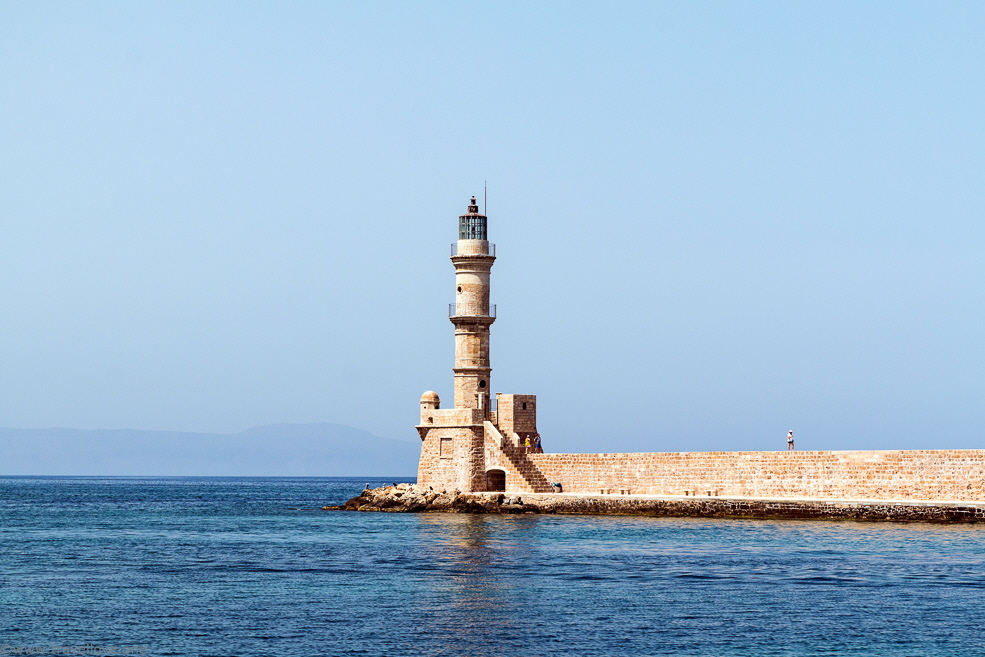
[[471, 577]]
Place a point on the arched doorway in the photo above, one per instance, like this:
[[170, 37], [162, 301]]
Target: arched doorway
[[495, 480]]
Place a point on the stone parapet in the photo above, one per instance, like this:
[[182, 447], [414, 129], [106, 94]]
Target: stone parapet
[[878, 475], [455, 417]]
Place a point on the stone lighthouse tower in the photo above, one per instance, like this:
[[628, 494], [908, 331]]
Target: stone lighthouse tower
[[473, 257], [481, 443]]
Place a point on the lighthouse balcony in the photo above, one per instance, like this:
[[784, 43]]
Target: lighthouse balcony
[[473, 247], [471, 310]]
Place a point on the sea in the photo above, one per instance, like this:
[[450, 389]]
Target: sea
[[237, 567]]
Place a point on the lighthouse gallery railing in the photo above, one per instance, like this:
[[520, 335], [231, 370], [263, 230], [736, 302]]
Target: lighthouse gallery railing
[[455, 310], [475, 249]]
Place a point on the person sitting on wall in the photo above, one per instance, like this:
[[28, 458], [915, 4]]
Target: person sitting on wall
[[556, 486]]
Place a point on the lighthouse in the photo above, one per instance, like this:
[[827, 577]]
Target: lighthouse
[[482, 442], [472, 314]]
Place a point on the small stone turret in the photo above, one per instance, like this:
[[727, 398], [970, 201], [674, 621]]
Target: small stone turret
[[430, 402]]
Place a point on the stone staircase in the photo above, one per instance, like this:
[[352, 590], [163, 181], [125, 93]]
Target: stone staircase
[[517, 457]]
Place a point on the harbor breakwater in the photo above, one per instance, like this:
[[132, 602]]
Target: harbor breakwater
[[929, 475], [410, 498]]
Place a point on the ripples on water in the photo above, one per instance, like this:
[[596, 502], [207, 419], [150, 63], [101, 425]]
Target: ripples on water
[[248, 566]]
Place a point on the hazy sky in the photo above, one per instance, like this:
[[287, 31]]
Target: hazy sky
[[715, 221]]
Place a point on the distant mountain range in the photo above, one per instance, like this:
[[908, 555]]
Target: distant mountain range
[[303, 450]]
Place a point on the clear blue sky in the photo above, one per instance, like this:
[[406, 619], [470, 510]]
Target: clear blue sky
[[715, 221]]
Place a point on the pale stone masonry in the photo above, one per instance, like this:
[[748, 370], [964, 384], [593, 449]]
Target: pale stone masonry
[[487, 443], [472, 447], [927, 475]]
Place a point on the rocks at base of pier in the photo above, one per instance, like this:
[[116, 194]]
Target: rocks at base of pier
[[404, 498]]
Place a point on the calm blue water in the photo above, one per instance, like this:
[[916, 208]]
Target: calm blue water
[[229, 566]]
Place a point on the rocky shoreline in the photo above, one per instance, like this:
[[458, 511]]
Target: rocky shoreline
[[410, 498]]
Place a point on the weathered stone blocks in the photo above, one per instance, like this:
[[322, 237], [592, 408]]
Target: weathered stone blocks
[[886, 475]]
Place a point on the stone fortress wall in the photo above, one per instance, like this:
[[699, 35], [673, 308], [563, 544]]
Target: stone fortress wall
[[931, 475]]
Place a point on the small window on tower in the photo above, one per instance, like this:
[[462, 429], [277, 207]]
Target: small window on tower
[[482, 384], [524, 405], [460, 289]]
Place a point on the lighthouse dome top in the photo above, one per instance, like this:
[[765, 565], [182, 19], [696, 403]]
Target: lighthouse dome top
[[472, 225], [430, 396]]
